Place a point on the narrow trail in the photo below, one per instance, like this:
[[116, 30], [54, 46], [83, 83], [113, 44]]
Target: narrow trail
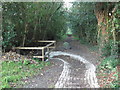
[[89, 77], [65, 75], [73, 68]]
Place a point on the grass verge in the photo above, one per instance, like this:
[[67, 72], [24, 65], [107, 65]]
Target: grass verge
[[13, 72]]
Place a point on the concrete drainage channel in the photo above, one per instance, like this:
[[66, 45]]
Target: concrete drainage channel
[[64, 78]]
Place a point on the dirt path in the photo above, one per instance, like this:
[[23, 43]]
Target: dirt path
[[73, 68]]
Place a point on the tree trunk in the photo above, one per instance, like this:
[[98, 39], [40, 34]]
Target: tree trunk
[[34, 33], [24, 37], [49, 19], [102, 18]]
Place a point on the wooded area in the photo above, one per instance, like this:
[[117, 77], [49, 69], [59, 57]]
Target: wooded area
[[26, 22], [96, 23], [99, 24]]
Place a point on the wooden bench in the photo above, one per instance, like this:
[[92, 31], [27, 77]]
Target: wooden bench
[[49, 48]]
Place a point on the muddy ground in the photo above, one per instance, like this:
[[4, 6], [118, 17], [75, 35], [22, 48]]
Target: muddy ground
[[50, 75]]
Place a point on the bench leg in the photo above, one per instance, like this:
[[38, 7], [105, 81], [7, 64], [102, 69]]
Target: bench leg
[[48, 50], [43, 54], [42, 59]]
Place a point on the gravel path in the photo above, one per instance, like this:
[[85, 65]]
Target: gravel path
[[48, 77], [73, 68], [88, 77]]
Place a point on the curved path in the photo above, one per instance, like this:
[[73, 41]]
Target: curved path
[[72, 68], [64, 80]]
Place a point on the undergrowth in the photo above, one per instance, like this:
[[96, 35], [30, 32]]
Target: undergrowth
[[13, 72], [108, 73]]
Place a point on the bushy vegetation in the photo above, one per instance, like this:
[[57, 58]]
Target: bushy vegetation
[[26, 22], [84, 22], [14, 73], [108, 73], [23, 23], [98, 24]]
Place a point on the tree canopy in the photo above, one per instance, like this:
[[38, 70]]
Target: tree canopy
[[96, 23], [25, 22]]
